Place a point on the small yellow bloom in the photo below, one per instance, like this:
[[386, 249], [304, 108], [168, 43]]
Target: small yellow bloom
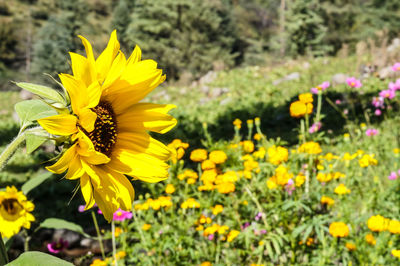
[[327, 200], [338, 229], [257, 136], [226, 188], [277, 155], [207, 165], [218, 157], [206, 263], [342, 189], [217, 209], [237, 123], [121, 254], [146, 227], [245, 202], [377, 223], [299, 109], [300, 179], [248, 146], [350, 246], [370, 239], [396, 150], [169, 189], [396, 253], [99, 262], [190, 203], [232, 235], [363, 126], [367, 160], [306, 98], [394, 227], [200, 228], [118, 231], [310, 147], [198, 155]]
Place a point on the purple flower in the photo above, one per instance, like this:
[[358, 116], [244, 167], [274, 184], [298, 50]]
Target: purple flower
[[57, 247], [245, 225], [371, 132], [353, 82], [121, 215], [378, 112], [392, 176], [315, 127], [396, 66]]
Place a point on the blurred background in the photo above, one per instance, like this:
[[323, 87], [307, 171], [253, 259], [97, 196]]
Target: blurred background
[[189, 38]]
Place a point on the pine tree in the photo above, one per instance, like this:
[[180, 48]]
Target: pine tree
[[184, 35], [121, 17]]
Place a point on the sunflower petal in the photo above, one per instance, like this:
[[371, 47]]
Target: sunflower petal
[[75, 169], [90, 61], [87, 118], [62, 125], [63, 163], [135, 56], [106, 58], [116, 71], [81, 68], [147, 116], [87, 191]]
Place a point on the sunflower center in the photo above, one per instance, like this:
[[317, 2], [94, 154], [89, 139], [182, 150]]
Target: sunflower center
[[104, 134], [11, 206]]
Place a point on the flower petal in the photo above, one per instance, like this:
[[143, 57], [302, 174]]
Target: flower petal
[[87, 118], [91, 68], [62, 125], [87, 191], [106, 58], [63, 163], [75, 169], [135, 56], [116, 70], [146, 116], [81, 68]]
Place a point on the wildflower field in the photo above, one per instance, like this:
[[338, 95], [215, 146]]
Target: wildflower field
[[301, 172]]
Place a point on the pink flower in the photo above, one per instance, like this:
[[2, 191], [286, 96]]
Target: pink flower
[[396, 66], [371, 132], [338, 101], [121, 215], [81, 208], [390, 94], [353, 82], [211, 237], [314, 90], [315, 127], [56, 247], [378, 112], [289, 187], [377, 101], [321, 87], [345, 111], [392, 176], [394, 85]]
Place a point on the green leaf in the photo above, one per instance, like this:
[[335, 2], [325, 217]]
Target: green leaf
[[35, 181], [32, 110], [56, 223], [33, 141], [35, 258], [42, 91]]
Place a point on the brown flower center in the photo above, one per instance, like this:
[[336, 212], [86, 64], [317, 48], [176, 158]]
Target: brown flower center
[[104, 134], [11, 206]]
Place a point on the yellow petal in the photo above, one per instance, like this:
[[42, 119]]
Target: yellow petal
[[81, 68], [117, 68], [90, 61], [93, 94], [106, 58], [87, 118], [75, 169], [87, 191], [62, 125], [136, 56], [75, 89], [63, 163], [88, 153], [147, 116]]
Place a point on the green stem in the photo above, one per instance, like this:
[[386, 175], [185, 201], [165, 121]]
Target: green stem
[[10, 149], [98, 235], [319, 107], [3, 252], [114, 246], [260, 209]]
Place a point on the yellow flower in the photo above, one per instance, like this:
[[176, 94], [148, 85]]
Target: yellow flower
[[306, 98], [338, 229], [277, 155], [367, 160], [218, 157], [206, 263], [281, 177], [260, 154], [299, 109], [118, 231], [342, 189], [370, 239], [248, 146], [179, 147], [232, 235], [257, 136], [120, 254], [217, 209], [146, 227], [300, 179], [99, 262], [207, 165], [169, 189], [271, 183], [198, 155], [377, 223], [190, 203], [350, 246], [396, 253], [363, 126], [327, 200], [237, 123], [109, 126], [394, 227], [14, 212], [226, 188], [396, 150], [310, 147]]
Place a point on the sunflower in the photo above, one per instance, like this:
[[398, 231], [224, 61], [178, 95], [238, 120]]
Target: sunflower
[[14, 212], [108, 126]]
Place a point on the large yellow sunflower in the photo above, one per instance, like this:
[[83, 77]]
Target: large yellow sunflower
[[14, 212], [108, 126]]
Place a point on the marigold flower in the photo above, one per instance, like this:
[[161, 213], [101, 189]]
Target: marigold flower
[[394, 227], [306, 98], [217, 209], [378, 223], [338, 229], [396, 253], [350, 246], [260, 153], [15, 212], [108, 126], [299, 109], [232, 235], [206, 263], [277, 155], [310, 147], [198, 155], [190, 203], [169, 189], [237, 123], [257, 136], [146, 227], [226, 188], [248, 146], [370, 239], [207, 165], [218, 157], [300, 179], [342, 190], [367, 160], [99, 262], [118, 231], [327, 200]]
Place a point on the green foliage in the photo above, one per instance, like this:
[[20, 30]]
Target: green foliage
[[35, 258], [56, 223], [35, 181], [8, 42], [184, 36], [120, 20]]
